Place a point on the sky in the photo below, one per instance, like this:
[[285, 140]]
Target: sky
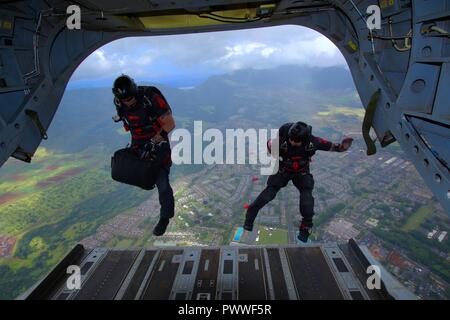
[[187, 60]]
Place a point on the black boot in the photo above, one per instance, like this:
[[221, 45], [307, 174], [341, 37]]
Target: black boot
[[160, 228], [303, 235], [248, 225], [250, 217], [304, 231]]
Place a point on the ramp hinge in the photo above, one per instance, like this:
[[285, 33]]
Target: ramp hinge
[[35, 117], [367, 123]]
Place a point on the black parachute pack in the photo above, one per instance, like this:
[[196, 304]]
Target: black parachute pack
[[128, 168]]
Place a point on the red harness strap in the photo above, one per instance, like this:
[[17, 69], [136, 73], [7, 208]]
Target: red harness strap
[[296, 166]]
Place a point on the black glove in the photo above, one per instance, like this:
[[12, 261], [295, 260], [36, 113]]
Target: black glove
[[345, 144], [155, 151], [147, 152]]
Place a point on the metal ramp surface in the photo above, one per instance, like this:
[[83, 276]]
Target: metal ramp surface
[[289, 272]]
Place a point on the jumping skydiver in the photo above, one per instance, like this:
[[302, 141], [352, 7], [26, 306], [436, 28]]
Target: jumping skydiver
[[147, 115], [297, 145]]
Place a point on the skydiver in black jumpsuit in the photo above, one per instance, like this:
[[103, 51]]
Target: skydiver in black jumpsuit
[[296, 145], [147, 115]]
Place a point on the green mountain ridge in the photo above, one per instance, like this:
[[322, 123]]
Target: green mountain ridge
[[280, 94]]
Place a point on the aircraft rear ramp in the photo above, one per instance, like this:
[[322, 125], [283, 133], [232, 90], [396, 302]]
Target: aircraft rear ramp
[[288, 272]]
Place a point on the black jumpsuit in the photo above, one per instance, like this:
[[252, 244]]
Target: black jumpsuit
[[294, 166], [142, 120]]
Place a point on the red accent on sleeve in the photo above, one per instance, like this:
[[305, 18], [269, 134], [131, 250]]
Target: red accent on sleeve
[[323, 144], [161, 103], [126, 127], [323, 141]]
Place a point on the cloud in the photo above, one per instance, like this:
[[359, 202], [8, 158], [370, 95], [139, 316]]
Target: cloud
[[210, 53], [106, 62], [319, 52], [246, 49], [267, 52]]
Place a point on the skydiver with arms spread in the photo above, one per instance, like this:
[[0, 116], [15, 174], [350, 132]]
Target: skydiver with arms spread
[[147, 115], [297, 145]]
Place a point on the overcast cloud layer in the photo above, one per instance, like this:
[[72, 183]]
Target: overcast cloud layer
[[184, 60]]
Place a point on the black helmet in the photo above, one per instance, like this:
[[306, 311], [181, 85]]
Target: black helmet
[[300, 132], [124, 87]]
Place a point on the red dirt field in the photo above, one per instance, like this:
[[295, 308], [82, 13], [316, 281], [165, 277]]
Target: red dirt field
[[9, 196], [53, 180], [52, 167], [6, 245], [17, 177]]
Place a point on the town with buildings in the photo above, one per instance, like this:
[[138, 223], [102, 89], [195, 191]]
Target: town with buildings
[[380, 201]]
